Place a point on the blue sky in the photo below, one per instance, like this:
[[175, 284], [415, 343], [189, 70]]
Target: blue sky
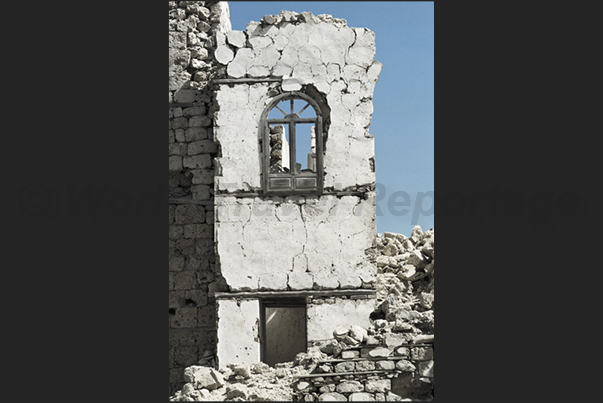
[[403, 101]]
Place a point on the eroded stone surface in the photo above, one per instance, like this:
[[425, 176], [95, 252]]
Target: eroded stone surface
[[236, 38], [378, 385], [224, 54], [378, 352], [194, 27], [361, 397], [412, 382], [332, 396], [203, 377], [350, 387]]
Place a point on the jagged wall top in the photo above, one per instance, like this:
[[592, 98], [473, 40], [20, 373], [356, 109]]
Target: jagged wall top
[[310, 49], [215, 14], [296, 18], [192, 31]]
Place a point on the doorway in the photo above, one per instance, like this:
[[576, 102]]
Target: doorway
[[283, 329]]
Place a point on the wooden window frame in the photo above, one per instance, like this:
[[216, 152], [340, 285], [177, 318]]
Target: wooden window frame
[[291, 183]]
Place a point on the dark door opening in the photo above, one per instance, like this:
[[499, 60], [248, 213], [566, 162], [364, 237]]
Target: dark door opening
[[283, 329]]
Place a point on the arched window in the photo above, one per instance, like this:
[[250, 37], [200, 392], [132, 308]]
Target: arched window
[[292, 145]]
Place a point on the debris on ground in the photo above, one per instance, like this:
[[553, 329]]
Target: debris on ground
[[397, 348]]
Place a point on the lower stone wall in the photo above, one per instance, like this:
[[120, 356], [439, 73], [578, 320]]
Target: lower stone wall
[[370, 373], [192, 311], [193, 279]]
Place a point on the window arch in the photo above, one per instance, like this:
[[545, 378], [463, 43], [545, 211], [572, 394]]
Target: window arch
[[292, 141]]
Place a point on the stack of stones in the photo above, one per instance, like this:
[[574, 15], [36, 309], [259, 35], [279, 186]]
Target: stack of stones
[[363, 367], [405, 281], [409, 258], [237, 382], [193, 26]]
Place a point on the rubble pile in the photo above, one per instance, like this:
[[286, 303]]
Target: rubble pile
[[405, 281], [394, 353], [238, 382]]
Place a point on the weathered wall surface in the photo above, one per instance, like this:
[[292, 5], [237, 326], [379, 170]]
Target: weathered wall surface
[[192, 277], [302, 49], [296, 243], [239, 323], [391, 359]]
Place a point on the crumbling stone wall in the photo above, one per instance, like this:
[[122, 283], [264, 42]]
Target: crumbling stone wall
[[192, 279], [297, 242], [393, 357], [303, 50], [288, 243], [357, 365], [390, 359]]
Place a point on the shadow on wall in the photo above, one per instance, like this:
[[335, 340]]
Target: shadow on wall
[[193, 276]]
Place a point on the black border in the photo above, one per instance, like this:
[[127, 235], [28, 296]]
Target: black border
[[88, 303], [86, 106]]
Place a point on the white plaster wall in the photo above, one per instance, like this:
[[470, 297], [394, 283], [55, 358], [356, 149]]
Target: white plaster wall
[[236, 129], [323, 319], [280, 245], [336, 59], [268, 245], [238, 332]]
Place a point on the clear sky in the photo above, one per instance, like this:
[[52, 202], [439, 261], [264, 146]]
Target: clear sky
[[403, 101]]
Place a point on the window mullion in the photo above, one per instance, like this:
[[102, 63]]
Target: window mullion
[[266, 150], [319, 151], [292, 152]]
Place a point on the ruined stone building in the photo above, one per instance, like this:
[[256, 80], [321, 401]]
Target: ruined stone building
[[271, 172]]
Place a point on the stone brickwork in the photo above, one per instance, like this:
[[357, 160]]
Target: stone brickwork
[[370, 371], [192, 278]]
